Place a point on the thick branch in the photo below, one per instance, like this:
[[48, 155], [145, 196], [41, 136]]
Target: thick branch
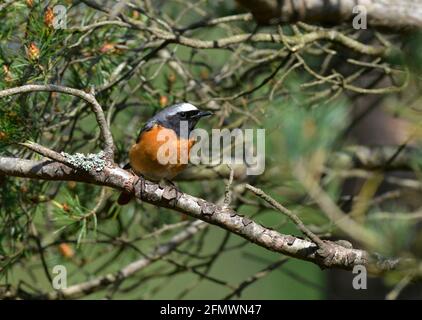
[[395, 14], [332, 256]]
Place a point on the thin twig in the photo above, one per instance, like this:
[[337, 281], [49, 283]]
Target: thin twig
[[288, 213], [88, 97], [260, 274]]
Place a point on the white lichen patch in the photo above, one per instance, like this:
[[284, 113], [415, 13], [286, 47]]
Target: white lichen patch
[[91, 161]]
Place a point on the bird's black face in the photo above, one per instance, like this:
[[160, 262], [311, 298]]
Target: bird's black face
[[190, 116]]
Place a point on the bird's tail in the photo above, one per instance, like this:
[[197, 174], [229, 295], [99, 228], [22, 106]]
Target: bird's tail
[[125, 197]]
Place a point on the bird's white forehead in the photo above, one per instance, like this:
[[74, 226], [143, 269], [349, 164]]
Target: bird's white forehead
[[185, 107]]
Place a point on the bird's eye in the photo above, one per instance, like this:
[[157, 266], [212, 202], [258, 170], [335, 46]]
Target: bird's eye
[[183, 114]]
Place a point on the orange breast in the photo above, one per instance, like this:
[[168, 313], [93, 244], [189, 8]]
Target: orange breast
[[156, 146]]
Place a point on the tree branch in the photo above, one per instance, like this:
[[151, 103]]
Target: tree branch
[[392, 14], [288, 213], [81, 289], [332, 255], [88, 97]]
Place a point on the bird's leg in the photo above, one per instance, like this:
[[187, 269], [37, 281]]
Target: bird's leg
[[143, 183], [125, 197], [171, 183], [168, 183], [128, 184]]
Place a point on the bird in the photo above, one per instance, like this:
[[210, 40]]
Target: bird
[[144, 153]]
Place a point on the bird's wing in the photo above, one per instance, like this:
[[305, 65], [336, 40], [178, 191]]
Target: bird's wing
[[148, 126]]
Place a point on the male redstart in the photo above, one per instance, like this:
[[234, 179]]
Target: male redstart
[[144, 154]]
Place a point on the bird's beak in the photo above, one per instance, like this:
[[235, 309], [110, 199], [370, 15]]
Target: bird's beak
[[203, 114]]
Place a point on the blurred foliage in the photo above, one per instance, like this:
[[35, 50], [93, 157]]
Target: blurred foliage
[[307, 130]]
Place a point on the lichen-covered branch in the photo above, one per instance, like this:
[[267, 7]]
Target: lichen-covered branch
[[332, 255]]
